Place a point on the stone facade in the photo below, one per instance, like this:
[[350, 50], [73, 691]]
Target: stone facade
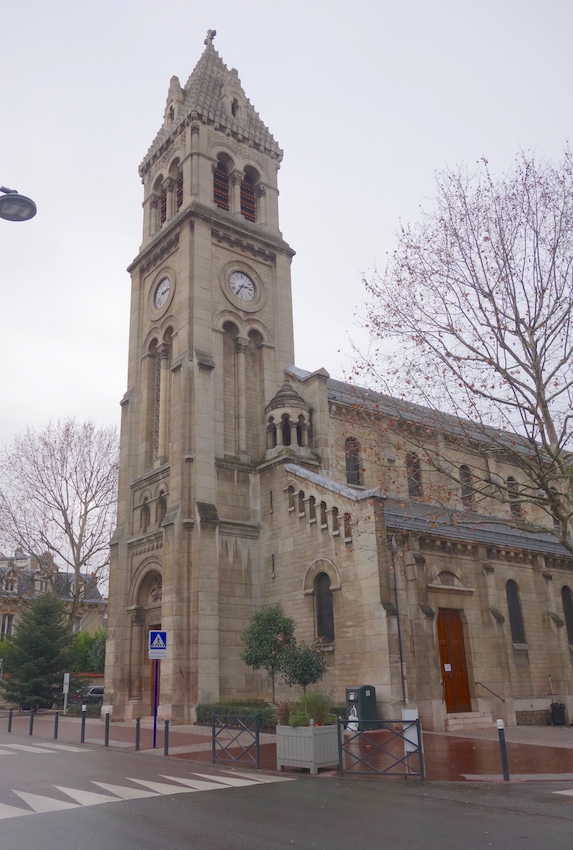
[[245, 481]]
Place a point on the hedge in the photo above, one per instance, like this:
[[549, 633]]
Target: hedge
[[249, 708]]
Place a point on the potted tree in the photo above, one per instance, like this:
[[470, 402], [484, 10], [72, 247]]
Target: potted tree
[[309, 736]]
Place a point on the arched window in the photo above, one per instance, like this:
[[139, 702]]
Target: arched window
[[414, 472], [290, 497], [301, 511], [160, 508], [567, 600], [335, 522], [466, 479], [221, 185], [513, 496], [248, 208], [144, 515], [514, 609], [323, 522], [312, 508], [179, 190], [353, 466], [347, 528], [163, 205], [324, 608], [285, 427]]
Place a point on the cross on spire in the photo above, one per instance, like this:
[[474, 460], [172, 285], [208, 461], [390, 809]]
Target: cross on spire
[[210, 36]]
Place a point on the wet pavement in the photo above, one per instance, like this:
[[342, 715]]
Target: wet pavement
[[534, 753]]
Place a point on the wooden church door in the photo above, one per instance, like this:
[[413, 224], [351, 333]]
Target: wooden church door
[[453, 661]]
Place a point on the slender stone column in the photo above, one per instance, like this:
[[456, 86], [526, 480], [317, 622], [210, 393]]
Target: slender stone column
[[163, 441], [241, 347], [154, 214], [170, 192], [236, 179], [261, 193]]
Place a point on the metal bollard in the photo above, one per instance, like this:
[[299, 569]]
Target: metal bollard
[[106, 738], [137, 733], [56, 722], [32, 713], [166, 739], [83, 731], [10, 713], [503, 749]]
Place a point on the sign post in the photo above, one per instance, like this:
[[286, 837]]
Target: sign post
[[157, 649], [66, 690]]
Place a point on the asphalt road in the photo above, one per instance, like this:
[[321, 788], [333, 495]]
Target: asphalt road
[[74, 797]]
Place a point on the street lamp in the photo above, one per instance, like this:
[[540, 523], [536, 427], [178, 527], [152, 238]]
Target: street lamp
[[15, 207]]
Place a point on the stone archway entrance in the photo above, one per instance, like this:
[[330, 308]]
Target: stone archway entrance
[[453, 664], [145, 615]]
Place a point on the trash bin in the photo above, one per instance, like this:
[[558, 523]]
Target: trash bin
[[361, 707], [558, 714]]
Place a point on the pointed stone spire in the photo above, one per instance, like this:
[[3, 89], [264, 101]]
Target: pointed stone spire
[[214, 95]]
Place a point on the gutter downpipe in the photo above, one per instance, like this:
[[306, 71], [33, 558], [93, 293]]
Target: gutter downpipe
[[394, 552]]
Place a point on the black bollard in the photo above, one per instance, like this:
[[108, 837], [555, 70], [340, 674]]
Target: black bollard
[[56, 722], [32, 713], [106, 739], [137, 733], [83, 731], [10, 713], [503, 750], [166, 739]]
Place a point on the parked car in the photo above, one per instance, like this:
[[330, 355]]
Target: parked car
[[93, 694]]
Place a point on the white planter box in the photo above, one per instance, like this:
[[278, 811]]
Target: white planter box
[[307, 746]]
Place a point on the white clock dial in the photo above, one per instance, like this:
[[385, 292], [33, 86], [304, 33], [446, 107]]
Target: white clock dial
[[162, 292], [242, 286]]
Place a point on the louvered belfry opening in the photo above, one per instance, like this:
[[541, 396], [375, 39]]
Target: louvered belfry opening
[[248, 198], [179, 191], [221, 186]]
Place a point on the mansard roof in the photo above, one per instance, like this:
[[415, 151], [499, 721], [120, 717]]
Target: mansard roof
[[208, 96]]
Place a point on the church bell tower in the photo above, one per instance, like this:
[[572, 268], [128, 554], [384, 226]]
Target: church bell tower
[[210, 337]]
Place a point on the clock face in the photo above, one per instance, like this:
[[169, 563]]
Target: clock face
[[242, 286], [162, 292]]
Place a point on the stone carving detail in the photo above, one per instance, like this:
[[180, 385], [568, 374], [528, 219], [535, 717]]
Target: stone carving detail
[[156, 591]]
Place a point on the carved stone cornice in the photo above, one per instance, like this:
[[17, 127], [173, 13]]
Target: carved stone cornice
[[238, 244], [160, 254]]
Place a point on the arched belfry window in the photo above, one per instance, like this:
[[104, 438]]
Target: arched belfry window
[[414, 473], [144, 515], [514, 610], [353, 466], [324, 608], [466, 479], [248, 204], [221, 185], [285, 427], [567, 599]]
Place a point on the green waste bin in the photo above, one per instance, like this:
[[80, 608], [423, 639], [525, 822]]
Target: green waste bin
[[558, 714], [361, 707]]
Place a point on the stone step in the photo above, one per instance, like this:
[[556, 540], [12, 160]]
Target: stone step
[[466, 720]]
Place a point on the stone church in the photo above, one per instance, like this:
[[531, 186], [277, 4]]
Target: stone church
[[246, 481]]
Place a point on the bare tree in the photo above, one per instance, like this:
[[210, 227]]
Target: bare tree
[[473, 320], [58, 492]]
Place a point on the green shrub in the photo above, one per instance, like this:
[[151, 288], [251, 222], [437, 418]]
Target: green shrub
[[299, 718], [92, 710], [319, 705], [226, 708]]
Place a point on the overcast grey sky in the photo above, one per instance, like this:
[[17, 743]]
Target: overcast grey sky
[[367, 99]]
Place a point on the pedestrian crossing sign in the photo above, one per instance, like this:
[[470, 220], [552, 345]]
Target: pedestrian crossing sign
[[157, 645]]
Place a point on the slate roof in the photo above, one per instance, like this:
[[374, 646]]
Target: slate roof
[[416, 414], [203, 97]]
